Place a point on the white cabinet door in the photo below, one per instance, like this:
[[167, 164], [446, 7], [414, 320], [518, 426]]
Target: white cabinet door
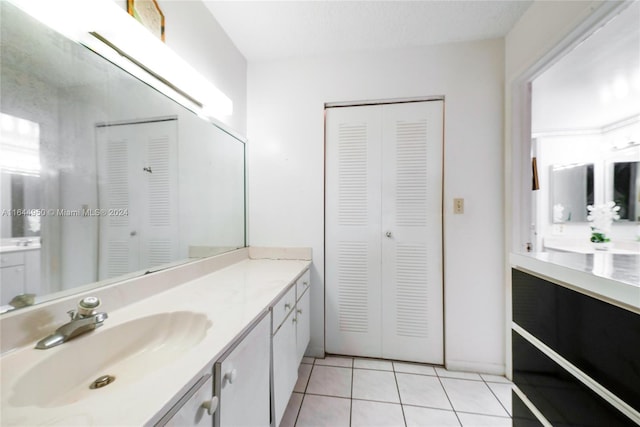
[[285, 366], [191, 412], [384, 231], [242, 381], [11, 283], [32, 279], [303, 325]]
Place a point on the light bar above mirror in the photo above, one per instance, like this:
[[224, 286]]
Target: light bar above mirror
[[110, 31]]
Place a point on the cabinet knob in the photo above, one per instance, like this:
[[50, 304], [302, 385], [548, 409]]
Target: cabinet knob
[[306, 283], [299, 311], [294, 320], [287, 306], [231, 376], [388, 234], [211, 405]]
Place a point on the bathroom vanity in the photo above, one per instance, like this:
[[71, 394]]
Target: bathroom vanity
[[206, 343], [575, 335], [19, 270]]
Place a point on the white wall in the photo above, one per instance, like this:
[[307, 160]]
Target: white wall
[[530, 42], [528, 46], [286, 167]]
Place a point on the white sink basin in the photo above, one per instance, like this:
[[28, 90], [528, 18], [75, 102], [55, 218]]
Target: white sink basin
[[128, 352]]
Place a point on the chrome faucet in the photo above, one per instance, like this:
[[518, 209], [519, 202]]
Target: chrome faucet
[[84, 319]]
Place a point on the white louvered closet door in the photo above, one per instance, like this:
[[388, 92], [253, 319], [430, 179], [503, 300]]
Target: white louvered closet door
[[412, 313], [384, 231], [116, 253], [352, 228], [137, 171]]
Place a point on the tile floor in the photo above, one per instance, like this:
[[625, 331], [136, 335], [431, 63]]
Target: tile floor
[[345, 391]]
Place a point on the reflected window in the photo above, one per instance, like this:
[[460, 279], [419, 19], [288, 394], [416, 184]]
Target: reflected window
[[19, 145]]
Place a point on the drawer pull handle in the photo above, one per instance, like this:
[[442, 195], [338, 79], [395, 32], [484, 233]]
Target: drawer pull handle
[[299, 311], [305, 283], [294, 320], [211, 405]]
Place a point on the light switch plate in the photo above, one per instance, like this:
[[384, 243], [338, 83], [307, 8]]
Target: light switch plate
[[458, 206]]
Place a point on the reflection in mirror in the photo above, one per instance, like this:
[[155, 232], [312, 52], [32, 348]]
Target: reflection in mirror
[[626, 189], [102, 176], [572, 192]]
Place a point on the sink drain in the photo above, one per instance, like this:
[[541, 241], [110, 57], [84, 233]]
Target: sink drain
[[102, 381]]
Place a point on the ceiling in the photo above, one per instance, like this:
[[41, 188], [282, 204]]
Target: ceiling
[[594, 85], [265, 30]]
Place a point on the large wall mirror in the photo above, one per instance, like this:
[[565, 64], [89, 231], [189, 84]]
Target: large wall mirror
[[102, 177], [572, 191], [626, 189]]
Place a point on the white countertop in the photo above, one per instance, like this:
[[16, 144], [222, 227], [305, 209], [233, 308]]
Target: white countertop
[[584, 246], [232, 298], [16, 248], [608, 276]]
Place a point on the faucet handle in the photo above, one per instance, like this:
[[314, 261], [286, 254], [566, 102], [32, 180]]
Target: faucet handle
[[88, 305]]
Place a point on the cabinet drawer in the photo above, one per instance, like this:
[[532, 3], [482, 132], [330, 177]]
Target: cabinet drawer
[[302, 284], [283, 307], [558, 395], [10, 259], [597, 337]]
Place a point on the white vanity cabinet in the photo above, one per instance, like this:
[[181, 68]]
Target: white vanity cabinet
[[291, 330], [241, 379], [303, 325], [11, 275], [12, 282], [237, 395], [19, 273], [285, 369]]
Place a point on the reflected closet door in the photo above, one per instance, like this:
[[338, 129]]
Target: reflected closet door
[[138, 188]]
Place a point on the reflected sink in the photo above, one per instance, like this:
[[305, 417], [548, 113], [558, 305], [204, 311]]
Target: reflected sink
[[128, 351]]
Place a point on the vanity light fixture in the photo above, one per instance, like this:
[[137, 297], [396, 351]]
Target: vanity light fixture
[[107, 29]]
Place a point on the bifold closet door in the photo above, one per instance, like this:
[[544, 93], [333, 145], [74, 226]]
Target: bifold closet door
[[352, 231], [138, 182], [383, 232], [412, 312]]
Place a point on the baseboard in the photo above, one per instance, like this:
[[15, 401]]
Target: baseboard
[[481, 368]]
